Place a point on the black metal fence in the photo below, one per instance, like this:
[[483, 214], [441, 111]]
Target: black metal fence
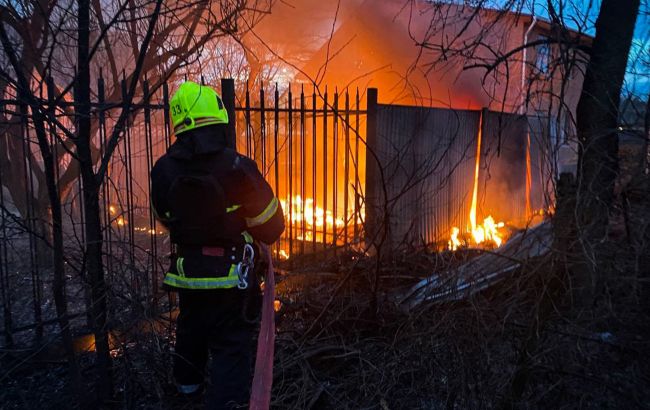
[[311, 150], [307, 144], [311, 145], [134, 245]]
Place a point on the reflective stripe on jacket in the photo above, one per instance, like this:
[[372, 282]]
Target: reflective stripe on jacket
[[177, 276], [181, 281]]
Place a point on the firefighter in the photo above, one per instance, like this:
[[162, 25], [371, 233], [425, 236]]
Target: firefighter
[[217, 207]]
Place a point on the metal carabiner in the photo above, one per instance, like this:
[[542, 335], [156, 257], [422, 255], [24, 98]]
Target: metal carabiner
[[244, 266], [242, 273]]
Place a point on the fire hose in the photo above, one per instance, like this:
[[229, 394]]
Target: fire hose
[[263, 377]]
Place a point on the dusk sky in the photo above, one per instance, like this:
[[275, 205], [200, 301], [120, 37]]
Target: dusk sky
[[582, 14]]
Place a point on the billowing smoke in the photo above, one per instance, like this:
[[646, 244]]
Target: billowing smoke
[[357, 43]]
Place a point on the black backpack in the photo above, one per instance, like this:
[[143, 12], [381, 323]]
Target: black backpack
[[197, 203]]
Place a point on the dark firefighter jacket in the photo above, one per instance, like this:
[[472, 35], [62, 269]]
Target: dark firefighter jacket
[[211, 226]]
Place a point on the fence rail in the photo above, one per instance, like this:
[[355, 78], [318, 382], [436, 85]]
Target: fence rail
[[311, 152], [308, 145]]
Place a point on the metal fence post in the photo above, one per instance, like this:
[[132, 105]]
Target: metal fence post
[[373, 205], [228, 97]]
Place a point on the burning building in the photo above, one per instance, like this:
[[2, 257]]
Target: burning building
[[467, 132], [423, 53], [461, 154]]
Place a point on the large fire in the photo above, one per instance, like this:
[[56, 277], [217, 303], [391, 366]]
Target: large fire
[[308, 219], [488, 231], [312, 215]]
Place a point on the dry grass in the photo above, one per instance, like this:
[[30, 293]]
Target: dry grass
[[523, 343]]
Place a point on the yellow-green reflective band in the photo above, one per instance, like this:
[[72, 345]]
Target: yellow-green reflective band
[[199, 122], [200, 283], [229, 281], [179, 267], [265, 215], [233, 208], [247, 237]]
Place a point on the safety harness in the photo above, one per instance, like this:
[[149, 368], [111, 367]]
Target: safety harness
[[214, 250], [238, 260]]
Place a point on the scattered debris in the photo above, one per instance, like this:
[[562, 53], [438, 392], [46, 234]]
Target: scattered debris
[[481, 272]]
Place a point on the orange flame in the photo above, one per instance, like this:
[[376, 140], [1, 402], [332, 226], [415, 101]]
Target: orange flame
[[480, 233], [311, 222], [454, 242], [305, 213], [310, 214], [472, 210]]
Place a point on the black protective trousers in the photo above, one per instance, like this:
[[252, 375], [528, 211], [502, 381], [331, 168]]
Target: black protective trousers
[[221, 324]]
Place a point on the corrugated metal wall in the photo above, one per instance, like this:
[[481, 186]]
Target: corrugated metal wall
[[502, 174], [427, 158], [543, 162]]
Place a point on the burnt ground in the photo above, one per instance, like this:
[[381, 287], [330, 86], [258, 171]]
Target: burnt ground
[[524, 343]]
